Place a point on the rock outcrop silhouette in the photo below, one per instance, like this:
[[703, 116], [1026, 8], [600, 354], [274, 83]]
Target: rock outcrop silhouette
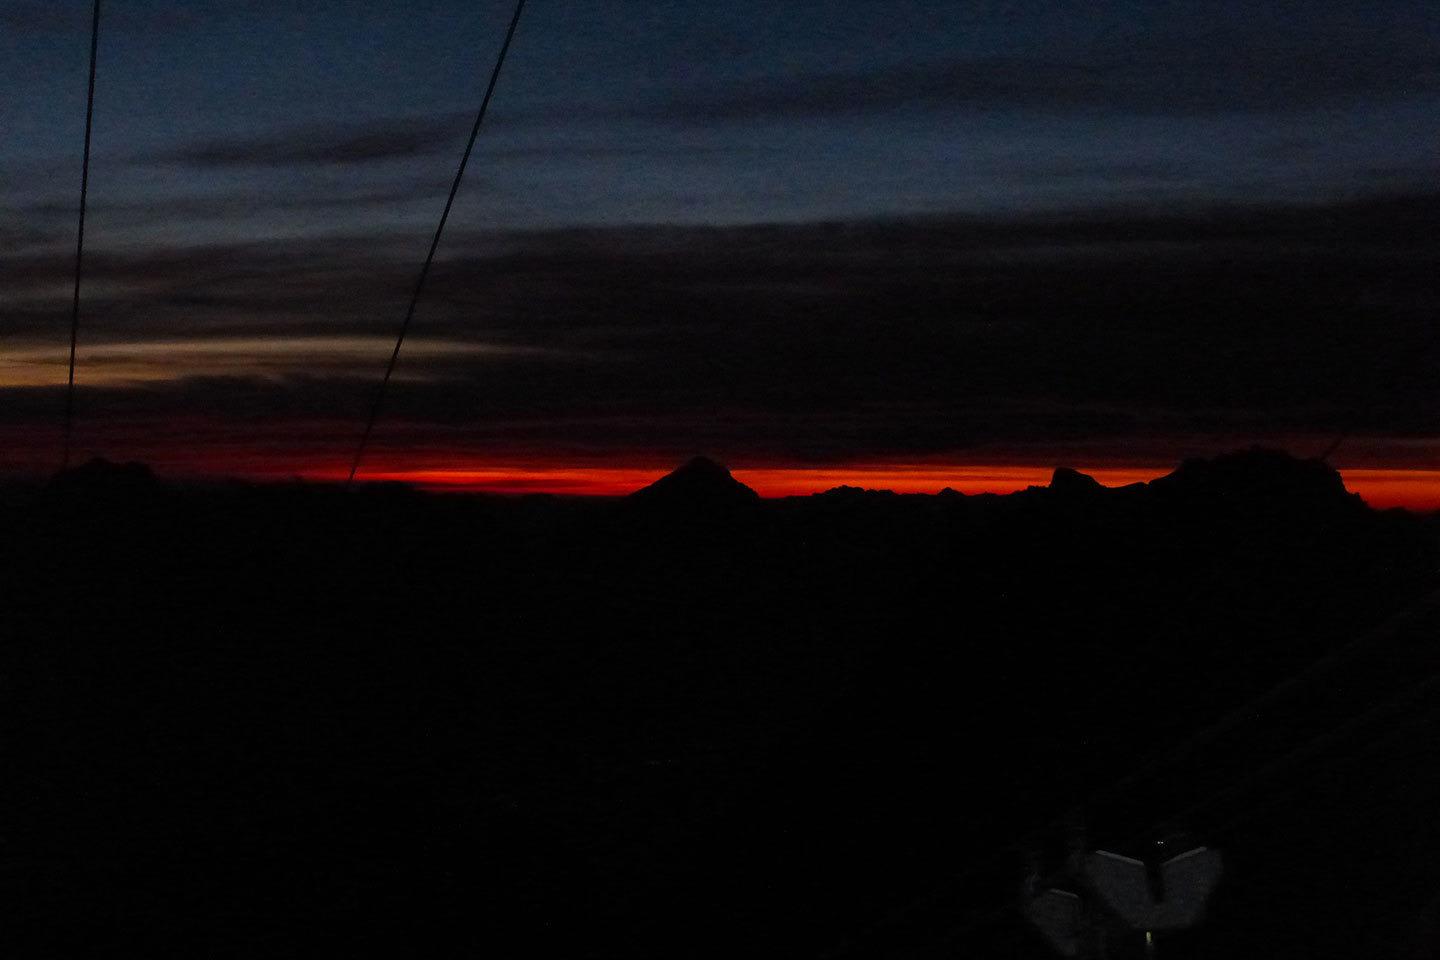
[[1069, 482], [581, 725], [101, 477], [1259, 477], [699, 485]]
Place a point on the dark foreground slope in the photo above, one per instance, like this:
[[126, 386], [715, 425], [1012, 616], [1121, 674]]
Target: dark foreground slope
[[295, 721]]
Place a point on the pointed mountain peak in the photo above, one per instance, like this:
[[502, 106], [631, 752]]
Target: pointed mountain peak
[[1067, 480], [700, 483], [101, 476], [703, 467]]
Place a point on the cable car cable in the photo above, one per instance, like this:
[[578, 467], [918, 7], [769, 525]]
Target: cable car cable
[[434, 243]]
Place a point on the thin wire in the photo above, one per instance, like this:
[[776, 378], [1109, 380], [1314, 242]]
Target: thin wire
[[1335, 445], [80, 238], [1351, 754], [1392, 626], [1408, 696], [430, 257], [978, 917]]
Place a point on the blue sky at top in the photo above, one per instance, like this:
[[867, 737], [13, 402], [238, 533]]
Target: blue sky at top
[[266, 177], [262, 119]]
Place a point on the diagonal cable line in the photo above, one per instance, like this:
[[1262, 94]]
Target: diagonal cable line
[[1410, 696], [430, 257], [943, 892], [80, 238]]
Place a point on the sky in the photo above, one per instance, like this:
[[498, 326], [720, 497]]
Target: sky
[[895, 241]]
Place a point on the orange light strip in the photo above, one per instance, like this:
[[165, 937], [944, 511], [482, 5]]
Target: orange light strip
[[1381, 488], [928, 478], [460, 471], [576, 481], [1413, 489], [767, 481]]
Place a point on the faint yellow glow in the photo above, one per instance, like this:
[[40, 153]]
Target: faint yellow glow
[[120, 364]]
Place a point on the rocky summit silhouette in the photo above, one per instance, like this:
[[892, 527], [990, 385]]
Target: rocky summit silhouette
[[388, 721], [100, 482], [699, 485], [1260, 477], [99, 474], [1069, 482]]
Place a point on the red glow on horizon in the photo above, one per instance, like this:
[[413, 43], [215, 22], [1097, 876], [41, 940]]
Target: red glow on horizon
[[969, 480], [1407, 481], [766, 481], [1381, 488]]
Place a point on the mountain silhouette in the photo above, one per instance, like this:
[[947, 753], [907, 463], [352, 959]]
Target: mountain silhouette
[[1259, 478], [701, 484], [99, 477], [1068, 482], [611, 715]]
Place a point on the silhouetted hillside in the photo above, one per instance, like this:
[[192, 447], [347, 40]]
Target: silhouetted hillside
[[1259, 479], [99, 478], [296, 719], [700, 486]]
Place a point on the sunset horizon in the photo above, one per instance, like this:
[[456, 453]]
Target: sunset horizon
[[829, 479], [1414, 489], [863, 352], [1000, 241]]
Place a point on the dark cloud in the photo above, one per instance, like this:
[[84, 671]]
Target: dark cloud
[[388, 139], [40, 16], [833, 341], [399, 139], [1184, 81], [21, 236], [230, 206], [549, 152], [71, 19]]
